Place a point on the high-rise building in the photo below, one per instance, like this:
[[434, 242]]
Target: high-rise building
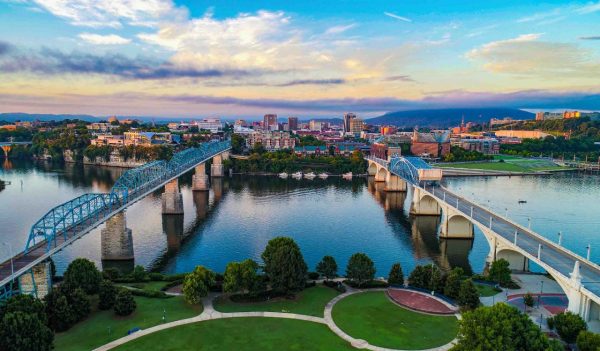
[[315, 125], [347, 118], [270, 122], [293, 123], [356, 125]]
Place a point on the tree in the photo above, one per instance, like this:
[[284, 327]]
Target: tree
[[20, 331], [396, 277], [79, 303], [360, 268], [528, 300], [568, 325], [60, 315], [237, 143], [197, 284], [26, 304], [242, 276], [427, 277], [468, 296], [588, 341], [500, 272], [82, 273], [500, 327], [106, 295], [327, 267], [139, 273], [453, 283], [284, 265], [124, 303]]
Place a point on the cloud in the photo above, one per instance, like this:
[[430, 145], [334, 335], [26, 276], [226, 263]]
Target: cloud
[[393, 15], [526, 55], [590, 38], [5, 48], [113, 13], [339, 29], [589, 8], [403, 78], [98, 39], [50, 61], [335, 81]]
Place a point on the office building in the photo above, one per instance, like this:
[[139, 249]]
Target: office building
[[293, 123], [356, 126], [270, 122], [347, 118]]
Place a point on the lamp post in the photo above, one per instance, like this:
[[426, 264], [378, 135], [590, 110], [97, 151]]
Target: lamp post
[[559, 238], [541, 292]]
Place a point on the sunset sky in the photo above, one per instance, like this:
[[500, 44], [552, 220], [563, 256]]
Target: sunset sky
[[307, 58]]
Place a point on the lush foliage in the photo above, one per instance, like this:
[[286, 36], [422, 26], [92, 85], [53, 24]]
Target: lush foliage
[[146, 153], [124, 303], [500, 272], [242, 277], [106, 295], [588, 341], [23, 325], [82, 273], [284, 265], [556, 147], [92, 152], [327, 267], [197, 284], [139, 273], [528, 300], [500, 327], [568, 325], [428, 277], [458, 154], [310, 140], [360, 268], [468, 296], [65, 307], [396, 275], [237, 143], [453, 282]]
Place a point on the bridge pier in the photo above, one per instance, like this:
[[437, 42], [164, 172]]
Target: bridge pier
[[217, 169], [200, 180], [394, 183], [116, 239], [172, 200], [423, 204], [455, 225], [173, 229], [37, 281]]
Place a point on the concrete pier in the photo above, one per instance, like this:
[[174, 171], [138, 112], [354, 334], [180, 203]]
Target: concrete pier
[[116, 239], [200, 180], [172, 200], [38, 281]]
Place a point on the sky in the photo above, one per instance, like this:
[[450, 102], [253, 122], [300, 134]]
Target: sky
[[194, 58]]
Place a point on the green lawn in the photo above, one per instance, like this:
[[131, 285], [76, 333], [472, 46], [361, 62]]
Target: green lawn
[[486, 290], [151, 285], [242, 334], [94, 331], [310, 301], [491, 166], [373, 317]]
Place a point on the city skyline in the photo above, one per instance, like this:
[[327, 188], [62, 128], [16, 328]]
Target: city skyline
[[187, 59]]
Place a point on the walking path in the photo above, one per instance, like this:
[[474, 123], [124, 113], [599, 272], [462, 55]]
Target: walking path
[[209, 313]]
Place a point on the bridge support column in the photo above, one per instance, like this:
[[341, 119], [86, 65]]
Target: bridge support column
[[578, 302], [394, 183], [172, 200], [381, 174], [217, 169], [423, 204], [38, 281], [116, 239], [200, 180], [6, 149], [455, 225]]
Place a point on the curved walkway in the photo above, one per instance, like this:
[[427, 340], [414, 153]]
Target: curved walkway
[[209, 313]]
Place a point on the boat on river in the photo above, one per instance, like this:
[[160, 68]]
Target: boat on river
[[283, 175], [297, 175], [347, 176], [323, 175], [310, 175]]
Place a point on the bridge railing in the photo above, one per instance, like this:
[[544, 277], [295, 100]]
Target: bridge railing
[[62, 221]]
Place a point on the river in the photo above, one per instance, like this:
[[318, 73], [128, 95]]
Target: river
[[235, 220]]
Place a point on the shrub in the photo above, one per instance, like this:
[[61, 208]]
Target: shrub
[[149, 293], [453, 282], [360, 269], [335, 285], [396, 276], [156, 276], [568, 326], [528, 300], [79, 303], [588, 341], [26, 304], [371, 284], [82, 273], [139, 273], [124, 303], [20, 331], [313, 275], [500, 272], [550, 322], [468, 296], [111, 273], [284, 265], [60, 315], [197, 284], [106, 295], [327, 267]]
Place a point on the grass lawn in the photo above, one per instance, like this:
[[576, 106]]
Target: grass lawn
[[310, 301], [151, 285], [94, 331], [242, 334], [373, 317], [491, 166], [486, 290]]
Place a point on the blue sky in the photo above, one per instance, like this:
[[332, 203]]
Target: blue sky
[[237, 58]]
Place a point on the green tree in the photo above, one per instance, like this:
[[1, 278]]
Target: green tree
[[284, 265], [428, 277], [500, 272], [82, 273], [588, 341], [60, 315], [197, 284], [360, 268], [396, 276], [26, 304], [139, 273], [237, 143], [468, 296], [124, 303], [106, 295], [242, 277], [21, 331], [568, 325], [327, 267], [528, 300], [500, 327], [453, 282], [79, 303]]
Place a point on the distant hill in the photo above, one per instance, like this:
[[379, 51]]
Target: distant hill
[[323, 119], [19, 116], [443, 118]]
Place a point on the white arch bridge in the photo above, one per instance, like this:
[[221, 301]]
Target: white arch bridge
[[577, 276]]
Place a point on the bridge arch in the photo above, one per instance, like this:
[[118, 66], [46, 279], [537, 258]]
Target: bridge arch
[[381, 174], [373, 168], [424, 204], [457, 226]]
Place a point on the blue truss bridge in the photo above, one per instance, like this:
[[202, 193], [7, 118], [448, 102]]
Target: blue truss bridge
[[69, 221]]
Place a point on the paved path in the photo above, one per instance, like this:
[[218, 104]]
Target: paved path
[[209, 313]]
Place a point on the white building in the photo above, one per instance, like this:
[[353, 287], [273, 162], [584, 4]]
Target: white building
[[213, 125]]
